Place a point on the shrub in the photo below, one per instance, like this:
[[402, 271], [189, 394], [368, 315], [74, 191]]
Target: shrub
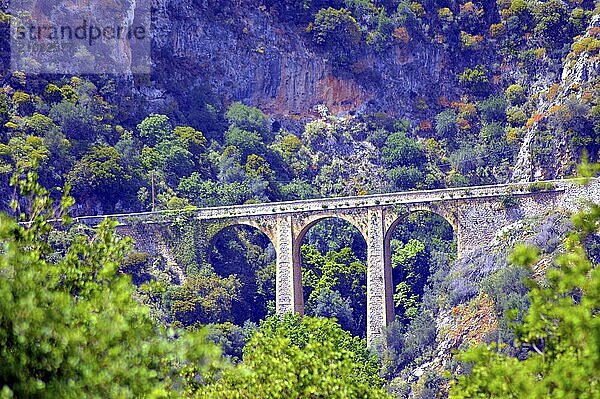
[[540, 186], [493, 109], [20, 98], [401, 34], [445, 124], [338, 32], [470, 42], [135, 260], [418, 9], [321, 359], [445, 14], [53, 94], [552, 22], [514, 134], [18, 79], [588, 44], [492, 134], [508, 201], [400, 150], [155, 127], [406, 177], [475, 79], [249, 119], [516, 94], [497, 29], [518, 7], [516, 117]]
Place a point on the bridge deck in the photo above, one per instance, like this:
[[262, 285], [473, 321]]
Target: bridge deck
[[277, 208]]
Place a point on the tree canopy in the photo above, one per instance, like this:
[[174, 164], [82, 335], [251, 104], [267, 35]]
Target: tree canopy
[[69, 325]]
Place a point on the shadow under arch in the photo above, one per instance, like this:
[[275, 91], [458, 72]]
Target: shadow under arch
[[333, 267], [416, 245], [245, 250]]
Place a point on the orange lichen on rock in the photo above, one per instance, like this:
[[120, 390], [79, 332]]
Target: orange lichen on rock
[[533, 120], [341, 95], [473, 321]]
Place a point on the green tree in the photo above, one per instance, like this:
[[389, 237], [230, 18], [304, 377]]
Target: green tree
[[298, 357], [552, 22], [333, 284], [249, 119], [203, 299], [401, 150], [516, 94], [155, 128], [493, 109], [445, 124], [69, 326], [248, 142], [337, 31], [475, 79], [561, 330], [410, 269], [100, 174]]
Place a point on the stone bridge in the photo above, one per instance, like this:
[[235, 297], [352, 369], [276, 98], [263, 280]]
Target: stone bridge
[[477, 215]]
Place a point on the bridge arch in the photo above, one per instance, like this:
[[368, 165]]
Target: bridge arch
[[304, 225], [346, 300], [245, 251], [215, 227], [424, 259]]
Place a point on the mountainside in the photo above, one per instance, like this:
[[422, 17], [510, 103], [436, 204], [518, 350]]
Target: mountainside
[[265, 101], [413, 61]]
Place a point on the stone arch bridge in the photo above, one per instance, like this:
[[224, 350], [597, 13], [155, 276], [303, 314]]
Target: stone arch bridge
[[477, 214]]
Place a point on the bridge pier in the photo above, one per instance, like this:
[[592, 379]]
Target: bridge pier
[[380, 309], [288, 281]]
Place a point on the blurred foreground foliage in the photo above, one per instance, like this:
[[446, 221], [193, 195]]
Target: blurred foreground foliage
[[69, 326], [560, 332]]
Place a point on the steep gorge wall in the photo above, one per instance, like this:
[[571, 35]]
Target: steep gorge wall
[[245, 53], [578, 79]]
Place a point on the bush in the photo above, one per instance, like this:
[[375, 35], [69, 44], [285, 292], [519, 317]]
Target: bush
[[516, 117], [470, 42], [53, 94], [493, 109], [540, 186], [338, 32], [155, 127], [518, 7], [475, 79], [588, 44], [400, 150], [248, 142], [406, 177], [21, 98], [71, 327], [445, 124], [492, 134], [552, 22], [516, 94], [249, 119], [445, 14], [508, 201], [294, 357]]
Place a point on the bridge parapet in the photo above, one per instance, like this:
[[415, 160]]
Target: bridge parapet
[[336, 203]]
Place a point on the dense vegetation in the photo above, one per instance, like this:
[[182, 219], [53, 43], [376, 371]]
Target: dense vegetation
[[71, 328]]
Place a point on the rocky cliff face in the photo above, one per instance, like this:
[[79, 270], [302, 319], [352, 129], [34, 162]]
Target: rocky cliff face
[[575, 85], [243, 52]]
